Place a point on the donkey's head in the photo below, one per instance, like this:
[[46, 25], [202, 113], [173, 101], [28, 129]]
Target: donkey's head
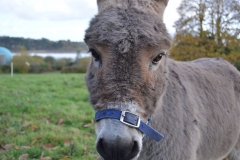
[[129, 45]]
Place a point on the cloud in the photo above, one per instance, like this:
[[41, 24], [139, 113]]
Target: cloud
[[57, 19], [171, 15], [60, 10]]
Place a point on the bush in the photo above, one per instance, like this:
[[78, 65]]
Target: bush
[[81, 68], [83, 64], [51, 62], [29, 64], [5, 69], [70, 69], [60, 63], [19, 64], [38, 68]]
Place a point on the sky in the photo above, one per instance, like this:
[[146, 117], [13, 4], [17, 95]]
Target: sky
[[58, 19]]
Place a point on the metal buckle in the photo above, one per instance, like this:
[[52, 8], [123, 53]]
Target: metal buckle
[[128, 124]]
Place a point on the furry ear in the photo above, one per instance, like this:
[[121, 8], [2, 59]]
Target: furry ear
[[105, 4], [156, 6], [159, 6], [165, 2]]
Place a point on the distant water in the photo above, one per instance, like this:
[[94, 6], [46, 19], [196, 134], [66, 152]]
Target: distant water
[[60, 55]]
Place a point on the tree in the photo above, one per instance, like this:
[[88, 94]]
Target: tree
[[207, 28], [50, 61], [193, 14], [14, 44], [223, 19]]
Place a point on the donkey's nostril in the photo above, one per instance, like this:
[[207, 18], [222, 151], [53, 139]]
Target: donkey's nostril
[[134, 151], [100, 148], [117, 149]]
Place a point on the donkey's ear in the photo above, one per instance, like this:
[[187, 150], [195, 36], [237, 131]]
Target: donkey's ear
[[159, 6], [105, 4], [165, 2]]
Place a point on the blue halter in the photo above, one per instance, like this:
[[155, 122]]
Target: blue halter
[[130, 120]]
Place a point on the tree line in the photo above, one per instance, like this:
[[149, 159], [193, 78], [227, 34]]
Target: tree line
[[208, 28], [15, 43]]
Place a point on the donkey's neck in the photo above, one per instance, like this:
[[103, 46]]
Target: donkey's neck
[[150, 6]]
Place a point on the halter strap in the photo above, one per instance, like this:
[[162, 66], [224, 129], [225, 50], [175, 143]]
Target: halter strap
[[130, 120], [149, 124]]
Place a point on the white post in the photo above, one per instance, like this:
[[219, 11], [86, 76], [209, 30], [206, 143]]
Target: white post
[[11, 69]]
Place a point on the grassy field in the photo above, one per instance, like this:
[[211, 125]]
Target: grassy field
[[45, 116]]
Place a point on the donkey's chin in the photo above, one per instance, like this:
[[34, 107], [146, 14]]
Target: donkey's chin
[[117, 141]]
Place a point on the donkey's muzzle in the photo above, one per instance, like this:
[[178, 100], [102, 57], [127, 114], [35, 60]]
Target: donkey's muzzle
[[118, 149]]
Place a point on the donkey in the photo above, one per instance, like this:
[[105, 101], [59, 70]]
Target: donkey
[[148, 106]]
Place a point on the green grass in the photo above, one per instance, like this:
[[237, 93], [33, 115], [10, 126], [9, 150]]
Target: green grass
[[46, 115]]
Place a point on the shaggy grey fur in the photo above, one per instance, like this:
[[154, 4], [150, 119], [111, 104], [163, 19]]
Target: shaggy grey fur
[[196, 104], [199, 112]]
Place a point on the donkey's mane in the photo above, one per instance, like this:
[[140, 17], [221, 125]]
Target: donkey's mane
[[125, 29]]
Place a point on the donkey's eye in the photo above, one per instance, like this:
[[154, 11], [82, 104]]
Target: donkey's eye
[[95, 55], [158, 58]]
